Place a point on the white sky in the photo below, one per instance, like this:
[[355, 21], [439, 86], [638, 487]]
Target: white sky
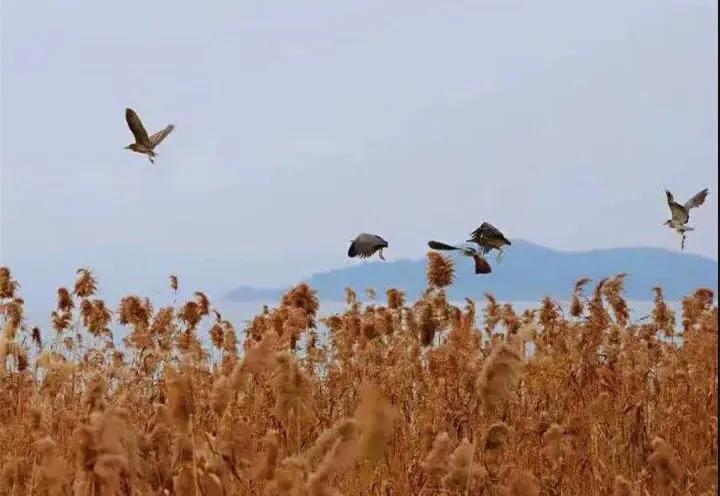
[[300, 124]]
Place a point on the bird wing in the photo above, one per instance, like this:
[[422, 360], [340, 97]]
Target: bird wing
[[678, 212], [366, 245], [481, 265], [156, 138], [362, 249], [136, 126], [697, 200], [493, 233], [490, 230], [437, 245], [488, 236], [477, 235]]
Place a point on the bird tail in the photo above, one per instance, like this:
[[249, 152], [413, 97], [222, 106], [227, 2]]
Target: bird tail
[[437, 245]]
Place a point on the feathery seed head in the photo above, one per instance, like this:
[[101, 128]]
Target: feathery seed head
[[441, 270]]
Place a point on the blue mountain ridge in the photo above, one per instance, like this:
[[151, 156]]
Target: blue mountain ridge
[[527, 272]]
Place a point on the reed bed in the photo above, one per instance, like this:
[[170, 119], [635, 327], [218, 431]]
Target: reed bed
[[385, 398]]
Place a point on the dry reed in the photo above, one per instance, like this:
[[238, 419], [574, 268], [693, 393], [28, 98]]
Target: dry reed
[[407, 398]]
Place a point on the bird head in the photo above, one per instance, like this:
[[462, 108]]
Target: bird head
[[667, 223]]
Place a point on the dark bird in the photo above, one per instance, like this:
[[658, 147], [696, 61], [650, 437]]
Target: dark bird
[[680, 214], [481, 265], [143, 143], [489, 237], [365, 245]]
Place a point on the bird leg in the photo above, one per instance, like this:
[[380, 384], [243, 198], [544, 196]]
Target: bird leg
[[381, 255], [682, 240], [499, 255]]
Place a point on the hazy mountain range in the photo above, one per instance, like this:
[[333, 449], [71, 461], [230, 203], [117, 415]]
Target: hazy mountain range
[[527, 272]]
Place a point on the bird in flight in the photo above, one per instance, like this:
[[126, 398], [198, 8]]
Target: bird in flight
[[481, 265], [680, 214], [143, 143], [489, 237], [365, 245]]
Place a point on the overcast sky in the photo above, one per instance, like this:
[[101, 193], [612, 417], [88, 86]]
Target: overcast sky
[[301, 123]]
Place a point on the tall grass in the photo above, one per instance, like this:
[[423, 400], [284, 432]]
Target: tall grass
[[397, 399]]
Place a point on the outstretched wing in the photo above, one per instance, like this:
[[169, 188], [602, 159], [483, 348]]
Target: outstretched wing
[[488, 237], [136, 127], [437, 245], [478, 234], [366, 246], [490, 231], [362, 250], [677, 211], [156, 138], [481, 265], [494, 234], [697, 200]]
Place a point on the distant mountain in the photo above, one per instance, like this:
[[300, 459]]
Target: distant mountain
[[527, 272]]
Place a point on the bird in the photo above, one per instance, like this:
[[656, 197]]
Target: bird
[[481, 265], [366, 245], [143, 143], [680, 214], [489, 237]]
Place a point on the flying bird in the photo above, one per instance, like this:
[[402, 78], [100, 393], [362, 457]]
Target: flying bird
[[143, 143], [365, 245], [489, 237], [481, 265], [680, 214]]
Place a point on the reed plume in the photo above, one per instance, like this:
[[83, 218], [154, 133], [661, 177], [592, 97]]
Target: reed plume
[[440, 271], [415, 396]]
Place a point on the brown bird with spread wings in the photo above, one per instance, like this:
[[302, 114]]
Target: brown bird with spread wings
[[143, 143], [365, 245], [680, 214], [489, 237]]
